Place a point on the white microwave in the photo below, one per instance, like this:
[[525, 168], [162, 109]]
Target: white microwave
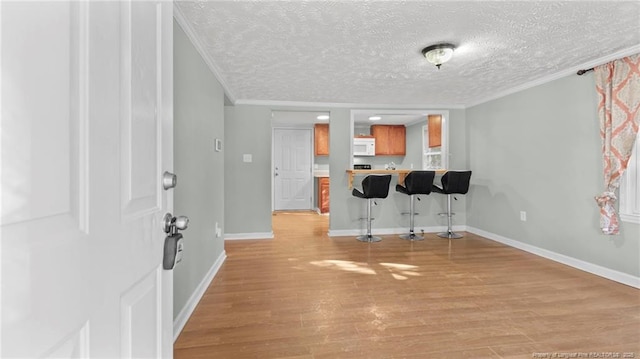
[[364, 146]]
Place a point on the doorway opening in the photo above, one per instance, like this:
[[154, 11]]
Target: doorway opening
[[297, 166]]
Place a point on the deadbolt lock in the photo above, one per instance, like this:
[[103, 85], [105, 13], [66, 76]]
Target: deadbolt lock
[[169, 180]]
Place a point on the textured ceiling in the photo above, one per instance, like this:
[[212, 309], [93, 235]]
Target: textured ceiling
[[369, 52]]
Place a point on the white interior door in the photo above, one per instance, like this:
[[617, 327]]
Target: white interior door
[[86, 106], [292, 169]]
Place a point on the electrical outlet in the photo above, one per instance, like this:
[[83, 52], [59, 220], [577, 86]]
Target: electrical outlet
[[523, 216]]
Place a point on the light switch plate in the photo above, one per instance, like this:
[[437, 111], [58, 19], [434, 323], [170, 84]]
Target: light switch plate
[[247, 158]]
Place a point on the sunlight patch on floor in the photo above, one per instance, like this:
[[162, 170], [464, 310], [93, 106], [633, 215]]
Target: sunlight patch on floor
[[348, 266], [397, 270], [401, 271]]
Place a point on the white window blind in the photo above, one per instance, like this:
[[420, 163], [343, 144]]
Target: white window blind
[[630, 187]]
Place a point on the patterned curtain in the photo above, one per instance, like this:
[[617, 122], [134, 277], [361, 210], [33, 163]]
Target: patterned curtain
[[618, 86]]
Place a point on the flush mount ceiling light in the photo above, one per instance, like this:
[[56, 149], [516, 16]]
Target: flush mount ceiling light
[[438, 54], [323, 117], [375, 118]]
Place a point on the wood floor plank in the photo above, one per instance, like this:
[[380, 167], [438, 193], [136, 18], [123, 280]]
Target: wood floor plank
[[305, 295]]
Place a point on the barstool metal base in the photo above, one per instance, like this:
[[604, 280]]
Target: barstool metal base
[[412, 237], [368, 238], [450, 235]]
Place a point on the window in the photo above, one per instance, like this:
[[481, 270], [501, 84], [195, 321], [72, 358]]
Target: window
[[434, 157], [630, 187]]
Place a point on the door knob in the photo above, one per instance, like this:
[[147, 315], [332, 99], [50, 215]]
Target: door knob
[[172, 225], [181, 222]]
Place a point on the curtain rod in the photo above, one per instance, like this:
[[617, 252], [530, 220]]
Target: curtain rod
[[582, 72]]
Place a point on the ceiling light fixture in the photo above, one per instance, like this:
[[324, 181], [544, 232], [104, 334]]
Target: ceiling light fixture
[[323, 117], [375, 118], [438, 54]]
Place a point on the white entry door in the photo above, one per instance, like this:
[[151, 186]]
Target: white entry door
[[86, 121], [292, 169]]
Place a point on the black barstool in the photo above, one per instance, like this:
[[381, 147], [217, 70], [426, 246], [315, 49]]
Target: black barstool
[[453, 182], [416, 182], [373, 186]]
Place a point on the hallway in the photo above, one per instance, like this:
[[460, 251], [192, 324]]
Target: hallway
[[299, 224]]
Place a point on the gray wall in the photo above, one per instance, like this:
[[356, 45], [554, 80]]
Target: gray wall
[[340, 132], [198, 120], [247, 195], [414, 146], [539, 151], [248, 185]]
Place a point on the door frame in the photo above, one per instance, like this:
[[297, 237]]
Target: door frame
[[273, 160]]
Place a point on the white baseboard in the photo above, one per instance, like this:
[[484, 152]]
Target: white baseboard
[[388, 231], [184, 315], [614, 275], [242, 236]]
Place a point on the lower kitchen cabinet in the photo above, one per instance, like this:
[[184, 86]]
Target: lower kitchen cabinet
[[323, 194]]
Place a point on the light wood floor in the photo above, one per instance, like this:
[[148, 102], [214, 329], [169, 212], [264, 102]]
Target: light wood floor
[[305, 295]]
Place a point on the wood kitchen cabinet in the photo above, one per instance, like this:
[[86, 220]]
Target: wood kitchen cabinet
[[435, 130], [323, 194], [390, 139], [321, 139]]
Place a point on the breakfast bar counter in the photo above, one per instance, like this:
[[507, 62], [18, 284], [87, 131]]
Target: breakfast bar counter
[[402, 173]]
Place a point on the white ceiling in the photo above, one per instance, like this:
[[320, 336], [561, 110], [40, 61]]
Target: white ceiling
[[369, 52]]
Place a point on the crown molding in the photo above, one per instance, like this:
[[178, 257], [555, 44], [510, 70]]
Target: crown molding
[[195, 40], [324, 105], [558, 75]]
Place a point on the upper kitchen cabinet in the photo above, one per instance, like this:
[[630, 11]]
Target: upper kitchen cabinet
[[321, 139], [434, 146], [404, 133], [390, 139], [435, 130]]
